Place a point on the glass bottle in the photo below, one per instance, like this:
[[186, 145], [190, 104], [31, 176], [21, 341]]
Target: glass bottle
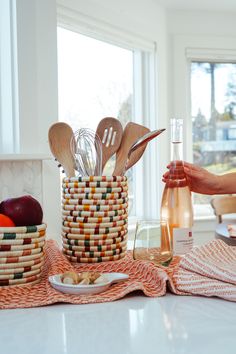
[[176, 205]]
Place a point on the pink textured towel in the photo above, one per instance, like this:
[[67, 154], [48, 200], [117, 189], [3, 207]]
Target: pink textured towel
[[208, 270]]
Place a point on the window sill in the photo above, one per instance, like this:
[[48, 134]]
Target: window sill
[[24, 157], [204, 218]]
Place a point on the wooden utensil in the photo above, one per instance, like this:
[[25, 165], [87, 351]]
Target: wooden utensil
[[59, 136], [141, 142], [110, 132], [132, 132]]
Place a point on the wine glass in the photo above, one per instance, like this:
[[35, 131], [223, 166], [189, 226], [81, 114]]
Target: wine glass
[[153, 242]]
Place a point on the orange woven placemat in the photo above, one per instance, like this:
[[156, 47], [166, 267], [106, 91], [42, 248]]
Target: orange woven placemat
[[143, 276]]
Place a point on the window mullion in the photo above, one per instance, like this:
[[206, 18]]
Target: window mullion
[[138, 101], [146, 170], [151, 160]]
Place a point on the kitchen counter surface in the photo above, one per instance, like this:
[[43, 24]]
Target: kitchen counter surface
[[135, 324]]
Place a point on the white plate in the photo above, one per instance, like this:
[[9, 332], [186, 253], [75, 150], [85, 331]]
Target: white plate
[[55, 281]]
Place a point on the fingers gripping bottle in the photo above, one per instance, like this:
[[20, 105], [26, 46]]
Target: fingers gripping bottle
[[176, 205]]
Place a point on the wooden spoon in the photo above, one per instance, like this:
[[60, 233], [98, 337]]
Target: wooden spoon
[[110, 132], [59, 136], [132, 132]]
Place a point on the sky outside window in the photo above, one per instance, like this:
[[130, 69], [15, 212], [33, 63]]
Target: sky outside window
[[95, 79]]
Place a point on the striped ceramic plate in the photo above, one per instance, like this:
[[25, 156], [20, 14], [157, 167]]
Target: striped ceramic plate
[[23, 229], [22, 241], [97, 248], [25, 281], [94, 226], [14, 236], [95, 190], [21, 264], [100, 196], [95, 207], [74, 237], [92, 254], [20, 253], [94, 201], [94, 214], [95, 259], [21, 269], [94, 231], [94, 220], [7, 248], [95, 179], [19, 275]]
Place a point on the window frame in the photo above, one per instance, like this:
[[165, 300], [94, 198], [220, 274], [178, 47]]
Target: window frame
[[145, 111]]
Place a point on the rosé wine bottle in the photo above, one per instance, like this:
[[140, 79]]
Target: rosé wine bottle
[[176, 205]]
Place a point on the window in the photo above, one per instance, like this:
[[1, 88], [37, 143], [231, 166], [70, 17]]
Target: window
[[97, 79], [213, 110], [193, 57]]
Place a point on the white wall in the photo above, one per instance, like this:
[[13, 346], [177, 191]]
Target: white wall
[[201, 23], [37, 87], [37, 69]]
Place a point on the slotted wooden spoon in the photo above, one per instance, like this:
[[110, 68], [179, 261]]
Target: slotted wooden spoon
[[110, 133], [59, 137], [132, 132]]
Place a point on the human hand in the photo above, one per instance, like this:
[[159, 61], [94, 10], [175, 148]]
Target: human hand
[[199, 179]]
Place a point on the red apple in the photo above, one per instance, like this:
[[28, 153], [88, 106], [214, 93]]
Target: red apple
[[24, 211]]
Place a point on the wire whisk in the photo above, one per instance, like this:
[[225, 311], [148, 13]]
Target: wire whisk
[[86, 147]]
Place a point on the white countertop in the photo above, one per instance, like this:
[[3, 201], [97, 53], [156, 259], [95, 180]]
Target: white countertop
[[135, 324]]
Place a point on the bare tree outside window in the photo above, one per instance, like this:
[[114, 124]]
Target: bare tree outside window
[[213, 109]]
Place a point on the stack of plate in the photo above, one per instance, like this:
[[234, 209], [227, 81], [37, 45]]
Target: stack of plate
[[21, 254], [95, 218]]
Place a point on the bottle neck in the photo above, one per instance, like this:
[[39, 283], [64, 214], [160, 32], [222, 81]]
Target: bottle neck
[[176, 151], [177, 177]]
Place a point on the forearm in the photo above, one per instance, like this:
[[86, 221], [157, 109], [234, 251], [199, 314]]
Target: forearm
[[227, 184]]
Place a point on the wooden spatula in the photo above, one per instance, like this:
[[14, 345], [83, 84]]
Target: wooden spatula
[[110, 133], [59, 136], [140, 144], [132, 132]]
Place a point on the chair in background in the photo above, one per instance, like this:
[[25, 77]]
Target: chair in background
[[223, 205]]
